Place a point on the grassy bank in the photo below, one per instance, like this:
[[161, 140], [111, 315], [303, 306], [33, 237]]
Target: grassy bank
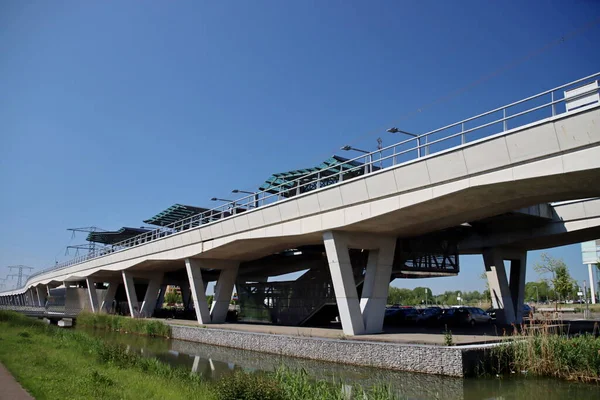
[[538, 352], [119, 323], [52, 363]]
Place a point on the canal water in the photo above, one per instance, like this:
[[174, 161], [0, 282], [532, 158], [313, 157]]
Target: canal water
[[213, 362]]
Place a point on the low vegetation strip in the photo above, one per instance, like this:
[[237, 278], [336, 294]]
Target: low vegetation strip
[[56, 363], [538, 352], [118, 323]]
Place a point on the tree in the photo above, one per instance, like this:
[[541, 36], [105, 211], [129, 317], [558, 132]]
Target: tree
[[561, 279], [535, 291]]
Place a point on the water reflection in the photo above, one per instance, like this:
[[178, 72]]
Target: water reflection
[[213, 362]]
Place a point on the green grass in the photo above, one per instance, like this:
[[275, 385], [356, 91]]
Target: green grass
[[53, 363], [119, 323]]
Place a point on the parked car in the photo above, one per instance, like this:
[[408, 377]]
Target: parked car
[[429, 316], [399, 315], [527, 310], [464, 316]]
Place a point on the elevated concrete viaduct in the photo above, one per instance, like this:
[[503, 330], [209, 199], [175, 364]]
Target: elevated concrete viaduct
[[470, 190]]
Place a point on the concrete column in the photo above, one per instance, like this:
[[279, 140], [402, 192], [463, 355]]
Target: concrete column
[[518, 265], [198, 290], [131, 295], [109, 297], [42, 295], [506, 296], [223, 292], [185, 295], [336, 247], [592, 282], [161, 297], [376, 285], [92, 294], [149, 303]]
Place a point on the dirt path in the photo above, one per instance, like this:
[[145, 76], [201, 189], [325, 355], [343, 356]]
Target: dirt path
[[11, 390]]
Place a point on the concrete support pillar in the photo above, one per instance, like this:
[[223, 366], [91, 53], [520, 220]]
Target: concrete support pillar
[[42, 295], [185, 295], [161, 297], [109, 297], [518, 265], [197, 287], [149, 303], [223, 292], [92, 294], [376, 285], [344, 285], [506, 296], [592, 283], [131, 295]]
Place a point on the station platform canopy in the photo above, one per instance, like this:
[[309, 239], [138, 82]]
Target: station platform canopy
[[286, 184], [173, 214], [113, 237]]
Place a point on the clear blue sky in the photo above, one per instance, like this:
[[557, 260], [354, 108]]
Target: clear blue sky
[[111, 111]]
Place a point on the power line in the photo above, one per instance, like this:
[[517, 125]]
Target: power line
[[19, 275]]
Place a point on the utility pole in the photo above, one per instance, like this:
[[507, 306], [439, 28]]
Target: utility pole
[[19, 275]]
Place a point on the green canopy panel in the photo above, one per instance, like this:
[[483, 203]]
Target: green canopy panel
[[286, 183], [174, 213], [115, 236]]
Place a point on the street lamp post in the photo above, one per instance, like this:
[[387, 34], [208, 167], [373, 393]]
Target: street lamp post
[[368, 168], [396, 130], [537, 294], [226, 201], [247, 192]]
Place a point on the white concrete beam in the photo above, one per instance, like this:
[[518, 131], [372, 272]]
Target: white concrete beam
[[336, 247], [149, 303], [197, 287], [92, 294], [131, 295]]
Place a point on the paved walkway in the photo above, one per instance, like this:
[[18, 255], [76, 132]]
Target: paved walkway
[[410, 335], [10, 388]]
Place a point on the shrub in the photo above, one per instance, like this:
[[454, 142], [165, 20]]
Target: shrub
[[244, 386], [123, 324]]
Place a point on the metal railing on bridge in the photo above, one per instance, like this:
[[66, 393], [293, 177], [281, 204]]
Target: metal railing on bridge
[[532, 109]]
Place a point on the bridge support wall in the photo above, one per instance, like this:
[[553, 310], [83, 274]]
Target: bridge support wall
[[507, 295], [366, 315]]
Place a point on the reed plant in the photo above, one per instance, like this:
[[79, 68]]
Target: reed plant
[[123, 324], [539, 351]]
